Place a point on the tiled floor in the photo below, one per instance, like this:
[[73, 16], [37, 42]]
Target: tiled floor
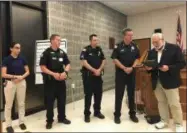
[[36, 122]]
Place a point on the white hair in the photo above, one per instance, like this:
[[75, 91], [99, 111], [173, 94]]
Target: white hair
[[159, 35]]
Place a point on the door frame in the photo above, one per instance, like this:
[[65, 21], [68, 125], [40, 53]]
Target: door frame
[[43, 9], [144, 39]]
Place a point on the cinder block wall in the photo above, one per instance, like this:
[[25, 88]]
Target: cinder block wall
[[75, 21]]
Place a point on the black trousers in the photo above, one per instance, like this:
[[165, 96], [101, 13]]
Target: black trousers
[[93, 85], [121, 81], [55, 90]]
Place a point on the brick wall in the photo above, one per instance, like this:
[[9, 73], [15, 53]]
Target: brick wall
[[75, 21]]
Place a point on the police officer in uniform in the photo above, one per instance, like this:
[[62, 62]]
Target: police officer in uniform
[[125, 56], [93, 61], [55, 65]]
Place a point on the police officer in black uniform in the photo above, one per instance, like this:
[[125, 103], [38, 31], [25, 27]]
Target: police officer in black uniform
[[93, 62], [55, 65], [125, 56]]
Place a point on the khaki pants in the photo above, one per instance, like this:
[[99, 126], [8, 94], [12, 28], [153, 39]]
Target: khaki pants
[[10, 90], [169, 97]]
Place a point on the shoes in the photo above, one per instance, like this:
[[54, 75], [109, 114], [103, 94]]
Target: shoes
[[179, 128], [87, 119], [117, 120], [10, 129], [23, 126], [161, 125], [99, 115], [65, 121], [48, 125], [134, 118]]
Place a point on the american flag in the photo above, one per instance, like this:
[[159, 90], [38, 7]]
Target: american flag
[[179, 40]]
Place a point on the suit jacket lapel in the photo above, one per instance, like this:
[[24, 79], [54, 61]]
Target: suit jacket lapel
[[155, 54], [163, 53]]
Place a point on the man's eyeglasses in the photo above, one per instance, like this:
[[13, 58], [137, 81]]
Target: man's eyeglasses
[[17, 47]]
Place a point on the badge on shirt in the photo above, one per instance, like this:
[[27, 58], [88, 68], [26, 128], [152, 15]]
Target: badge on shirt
[[60, 59], [90, 54], [122, 50], [132, 48], [52, 52], [54, 58], [99, 53]]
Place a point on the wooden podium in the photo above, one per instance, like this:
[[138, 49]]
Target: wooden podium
[[144, 84]]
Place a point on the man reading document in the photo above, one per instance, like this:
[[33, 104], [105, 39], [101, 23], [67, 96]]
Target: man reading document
[[166, 80]]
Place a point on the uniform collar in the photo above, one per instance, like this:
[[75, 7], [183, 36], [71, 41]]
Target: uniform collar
[[14, 57], [54, 50], [92, 47], [125, 45]]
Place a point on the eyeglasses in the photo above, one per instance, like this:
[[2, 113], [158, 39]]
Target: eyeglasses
[[17, 47]]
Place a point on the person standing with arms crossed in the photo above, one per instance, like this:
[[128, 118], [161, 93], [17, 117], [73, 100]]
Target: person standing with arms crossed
[[125, 56], [55, 66], [14, 70], [93, 61]]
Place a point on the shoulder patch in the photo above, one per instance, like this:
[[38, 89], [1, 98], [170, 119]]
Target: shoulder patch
[[61, 51], [115, 46], [84, 50]]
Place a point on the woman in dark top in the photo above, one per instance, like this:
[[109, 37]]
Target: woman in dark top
[[14, 71]]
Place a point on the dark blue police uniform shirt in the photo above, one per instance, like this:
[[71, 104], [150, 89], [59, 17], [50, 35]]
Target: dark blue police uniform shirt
[[15, 66], [94, 56], [54, 60], [126, 54]]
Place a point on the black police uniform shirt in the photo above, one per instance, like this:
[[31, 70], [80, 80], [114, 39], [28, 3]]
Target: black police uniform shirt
[[15, 66], [126, 54], [94, 56], [54, 60]]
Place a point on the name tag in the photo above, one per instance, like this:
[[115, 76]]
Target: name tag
[[99, 53], [132, 48], [54, 58], [60, 59], [122, 51]]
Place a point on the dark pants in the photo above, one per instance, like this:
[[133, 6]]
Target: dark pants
[[55, 90], [92, 86], [121, 81]]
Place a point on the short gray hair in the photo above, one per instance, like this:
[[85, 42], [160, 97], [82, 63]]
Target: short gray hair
[[160, 35]]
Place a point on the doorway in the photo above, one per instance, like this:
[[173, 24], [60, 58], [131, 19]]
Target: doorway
[[143, 44], [24, 22]]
